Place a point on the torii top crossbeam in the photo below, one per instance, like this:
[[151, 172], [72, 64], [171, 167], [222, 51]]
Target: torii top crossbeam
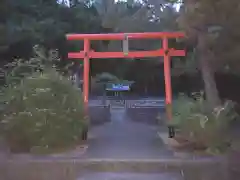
[[121, 36]]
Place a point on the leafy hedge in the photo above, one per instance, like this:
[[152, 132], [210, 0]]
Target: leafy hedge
[[206, 127], [45, 110]]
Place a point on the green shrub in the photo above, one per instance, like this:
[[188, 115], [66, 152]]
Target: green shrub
[[45, 110], [198, 123]]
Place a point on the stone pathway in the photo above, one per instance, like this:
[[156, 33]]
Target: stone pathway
[[123, 138], [126, 139]]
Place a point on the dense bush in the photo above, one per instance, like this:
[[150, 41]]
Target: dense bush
[[45, 110], [198, 123]]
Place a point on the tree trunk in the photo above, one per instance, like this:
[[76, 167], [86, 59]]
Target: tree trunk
[[205, 60]]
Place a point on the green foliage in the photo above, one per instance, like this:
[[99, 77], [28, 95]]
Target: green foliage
[[202, 125], [19, 68], [43, 22], [218, 24], [45, 110]]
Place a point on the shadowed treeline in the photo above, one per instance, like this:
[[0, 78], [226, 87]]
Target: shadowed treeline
[[228, 85]]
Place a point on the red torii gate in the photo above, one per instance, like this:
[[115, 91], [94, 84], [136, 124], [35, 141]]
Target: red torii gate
[[88, 53]]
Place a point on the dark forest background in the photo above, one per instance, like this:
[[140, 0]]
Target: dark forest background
[[26, 23]]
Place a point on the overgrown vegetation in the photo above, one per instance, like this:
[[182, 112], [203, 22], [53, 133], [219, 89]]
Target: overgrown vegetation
[[43, 109], [212, 43], [200, 125]]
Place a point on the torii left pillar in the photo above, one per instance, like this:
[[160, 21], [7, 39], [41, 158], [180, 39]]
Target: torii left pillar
[[86, 68]]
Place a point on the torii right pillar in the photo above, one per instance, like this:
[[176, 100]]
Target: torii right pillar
[[168, 86]]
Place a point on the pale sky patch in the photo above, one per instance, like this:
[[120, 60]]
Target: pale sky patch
[[177, 6]]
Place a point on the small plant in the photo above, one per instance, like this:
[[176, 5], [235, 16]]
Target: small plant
[[198, 123]]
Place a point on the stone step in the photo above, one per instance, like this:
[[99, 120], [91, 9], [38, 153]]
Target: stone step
[[88, 169], [130, 176]]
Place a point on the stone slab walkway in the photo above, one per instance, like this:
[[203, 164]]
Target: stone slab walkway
[[124, 138]]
